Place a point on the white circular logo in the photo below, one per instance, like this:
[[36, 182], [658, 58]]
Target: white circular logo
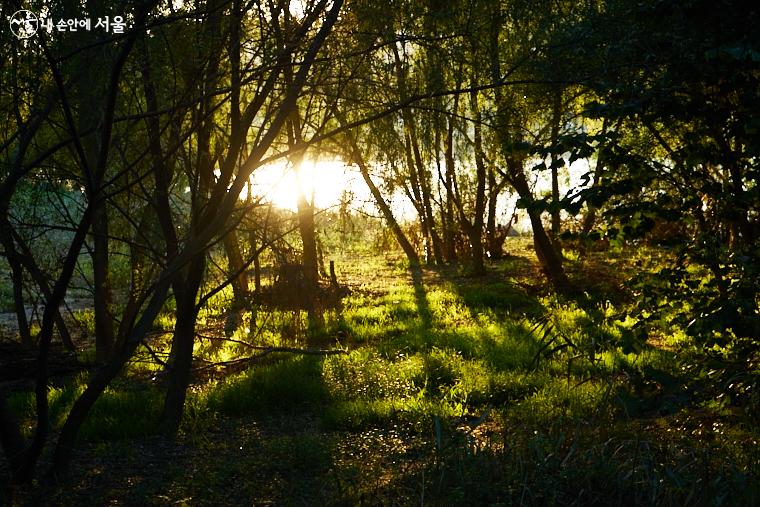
[[24, 24]]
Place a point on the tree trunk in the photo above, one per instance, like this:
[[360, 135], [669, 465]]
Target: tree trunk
[[100, 380], [104, 329], [25, 259], [589, 219], [256, 262], [386, 210], [181, 355], [551, 261], [309, 256], [17, 280], [494, 239], [309, 259], [418, 172], [32, 453], [556, 121], [91, 89], [448, 154], [417, 201], [236, 263], [476, 231], [427, 207]]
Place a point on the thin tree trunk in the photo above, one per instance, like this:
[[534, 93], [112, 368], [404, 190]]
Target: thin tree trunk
[[17, 280], [417, 168], [91, 88], [424, 179], [26, 259], [449, 182], [417, 201], [551, 261], [235, 260], [386, 210], [32, 454], [308, 238], [136, 288], [256, 262], [476, 231], [186, 282], [494, 238], [556, 121], [309, 256], [183, 342], [101, 379], [104, 329]]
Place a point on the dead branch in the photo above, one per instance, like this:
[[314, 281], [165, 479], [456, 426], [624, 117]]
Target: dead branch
[[237, 364]]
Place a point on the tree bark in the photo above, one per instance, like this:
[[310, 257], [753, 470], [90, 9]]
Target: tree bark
[[476, 228], [32, 453], [104, 329], [183, 342], [256, 262], [26, 259], [551, 261], [494, 236], [418, 172], [102, 378], [17, 280], [556, 121], [385, 209], [448, 157], [235, 261]]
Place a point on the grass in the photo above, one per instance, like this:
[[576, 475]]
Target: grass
[[448, 394], [286, 385], [120, 413]]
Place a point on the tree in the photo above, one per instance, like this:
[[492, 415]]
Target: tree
[[510, 124], [94, 174], [678, 83], [174, 134]]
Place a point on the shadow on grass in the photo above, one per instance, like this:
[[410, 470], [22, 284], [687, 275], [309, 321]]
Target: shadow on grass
[[500, 296], [420, 296], [497, 290]]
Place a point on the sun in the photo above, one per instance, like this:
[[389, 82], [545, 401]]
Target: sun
[[323, 182]]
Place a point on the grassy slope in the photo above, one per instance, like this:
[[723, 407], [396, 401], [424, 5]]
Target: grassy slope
[[449, 395]]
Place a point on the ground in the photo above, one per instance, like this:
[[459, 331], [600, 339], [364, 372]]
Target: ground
[[453, 390]]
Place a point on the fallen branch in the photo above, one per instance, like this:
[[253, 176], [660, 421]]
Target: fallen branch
[[225, 339], [234, 363], [153, 353]]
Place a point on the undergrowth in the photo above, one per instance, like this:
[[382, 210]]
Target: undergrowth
[[499, 395]]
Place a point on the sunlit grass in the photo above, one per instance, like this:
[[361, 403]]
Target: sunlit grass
[[445, 349], [118, 413], [288, 384], [444, 361]]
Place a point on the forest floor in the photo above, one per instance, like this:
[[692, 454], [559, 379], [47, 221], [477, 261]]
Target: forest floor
[[454, 390]]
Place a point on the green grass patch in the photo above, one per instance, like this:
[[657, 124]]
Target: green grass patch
[[117, 414], [287, 384]]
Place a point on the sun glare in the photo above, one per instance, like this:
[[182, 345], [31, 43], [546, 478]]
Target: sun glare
[[323, 182]]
